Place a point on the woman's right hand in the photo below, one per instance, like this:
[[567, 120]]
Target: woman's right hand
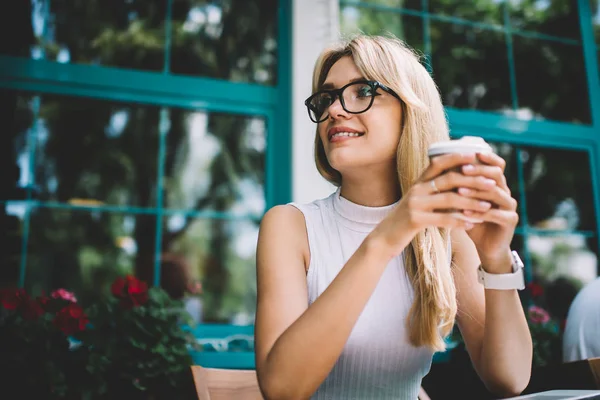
[[422, 206]]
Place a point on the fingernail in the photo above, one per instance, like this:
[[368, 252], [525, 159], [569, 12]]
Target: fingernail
[[468, 168], [468, 212], [463, 191], [469, 225], [490, 182], [485, 204]]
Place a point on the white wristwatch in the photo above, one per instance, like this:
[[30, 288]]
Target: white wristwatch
[[514, 280]]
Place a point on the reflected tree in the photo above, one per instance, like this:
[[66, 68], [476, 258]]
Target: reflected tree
[[83, 157]]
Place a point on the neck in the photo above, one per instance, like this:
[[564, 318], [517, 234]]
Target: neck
[[371, 189]]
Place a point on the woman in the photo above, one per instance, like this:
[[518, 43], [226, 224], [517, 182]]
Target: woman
[[357, 291]]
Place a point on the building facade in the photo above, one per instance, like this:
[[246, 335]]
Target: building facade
[[151, 137]]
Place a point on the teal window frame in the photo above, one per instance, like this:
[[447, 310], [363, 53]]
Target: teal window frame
[[273, 103]]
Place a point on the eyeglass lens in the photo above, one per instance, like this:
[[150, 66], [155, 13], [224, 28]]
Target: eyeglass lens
[[357, 98]]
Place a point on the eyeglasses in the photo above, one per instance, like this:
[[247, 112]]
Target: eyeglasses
[[355, 98]]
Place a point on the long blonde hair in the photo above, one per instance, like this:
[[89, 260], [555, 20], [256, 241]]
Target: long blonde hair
[[391, 62]]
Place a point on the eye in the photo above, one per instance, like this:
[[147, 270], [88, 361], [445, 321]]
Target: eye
[[364, 91]]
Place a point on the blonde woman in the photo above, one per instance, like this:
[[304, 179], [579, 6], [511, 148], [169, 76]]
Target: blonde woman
[[358, 290]]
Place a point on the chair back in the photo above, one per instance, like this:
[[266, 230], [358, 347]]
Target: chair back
[[225, 384]]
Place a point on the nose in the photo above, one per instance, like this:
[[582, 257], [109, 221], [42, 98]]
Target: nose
[[336, 110]]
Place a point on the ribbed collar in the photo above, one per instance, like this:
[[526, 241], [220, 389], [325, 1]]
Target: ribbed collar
[[361, 217]]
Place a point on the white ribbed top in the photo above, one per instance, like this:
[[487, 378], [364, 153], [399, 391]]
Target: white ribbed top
[[378, 362]]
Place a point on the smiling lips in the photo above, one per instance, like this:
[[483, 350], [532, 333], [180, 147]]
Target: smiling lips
[[342, 133]]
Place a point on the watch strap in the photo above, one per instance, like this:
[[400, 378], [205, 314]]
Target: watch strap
[[510, 281]]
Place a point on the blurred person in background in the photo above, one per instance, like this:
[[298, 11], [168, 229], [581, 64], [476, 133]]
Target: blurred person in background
[[581, 339]]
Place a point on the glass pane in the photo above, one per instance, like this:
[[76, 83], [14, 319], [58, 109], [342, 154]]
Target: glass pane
[[17, 115], [470, 67], [127, 34], [486, 11], [11, 231], [556, 17], [412, 4], [372, 22], [235, 40], [85, 251], [551, 80], [564, 261], [16, 18], [94, 151], [215, 162], [559, 189], [221, 255]]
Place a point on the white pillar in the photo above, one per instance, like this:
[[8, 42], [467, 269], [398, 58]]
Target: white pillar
[[315, 24]]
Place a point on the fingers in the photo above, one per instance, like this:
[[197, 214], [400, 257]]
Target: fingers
[[443, 220], [493, 172], [448, 200], [445, 162], [453, 180], [492, 159], [497, 196], [505, 218]]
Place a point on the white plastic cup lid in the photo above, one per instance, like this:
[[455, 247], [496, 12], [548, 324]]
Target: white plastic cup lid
[[464, 145]]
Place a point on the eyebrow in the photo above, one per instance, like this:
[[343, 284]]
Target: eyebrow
[[327, 86]]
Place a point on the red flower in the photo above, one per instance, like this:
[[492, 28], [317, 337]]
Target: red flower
[[535, 289], [64, 294], [12, 298], [538, 315], [130, 291], [71, 319]]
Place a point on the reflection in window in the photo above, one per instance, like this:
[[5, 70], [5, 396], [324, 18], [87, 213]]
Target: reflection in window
[[17, 113], [556, 17], [11, 231], [558, 186], [235, 40], [373, 22], [470, 67], [551, 80], [85, 251], [487, 11], [221, 255], [567, 257], [215, 162], [128, 34], [92, 151], [412, 4]]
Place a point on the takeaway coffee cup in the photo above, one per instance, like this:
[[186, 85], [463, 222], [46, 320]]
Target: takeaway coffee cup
[[464, 145]]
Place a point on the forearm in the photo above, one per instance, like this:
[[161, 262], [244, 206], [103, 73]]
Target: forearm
[[506, 352], [305, 353]]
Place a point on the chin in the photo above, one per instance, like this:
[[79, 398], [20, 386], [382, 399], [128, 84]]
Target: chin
[[347, 159]]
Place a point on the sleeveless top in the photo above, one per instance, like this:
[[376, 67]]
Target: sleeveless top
[[378, 361]]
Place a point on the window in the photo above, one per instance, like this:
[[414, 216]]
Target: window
[[522, 59], [228, 40], [139, 139]]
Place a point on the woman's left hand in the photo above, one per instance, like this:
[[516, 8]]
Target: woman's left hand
[[493, 236]]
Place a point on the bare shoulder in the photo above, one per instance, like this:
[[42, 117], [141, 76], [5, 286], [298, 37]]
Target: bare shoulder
[[283, 228]]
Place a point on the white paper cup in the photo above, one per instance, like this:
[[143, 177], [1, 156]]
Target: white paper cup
[[464, 145]]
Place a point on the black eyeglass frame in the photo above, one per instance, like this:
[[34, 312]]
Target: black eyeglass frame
[[337, 94]]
